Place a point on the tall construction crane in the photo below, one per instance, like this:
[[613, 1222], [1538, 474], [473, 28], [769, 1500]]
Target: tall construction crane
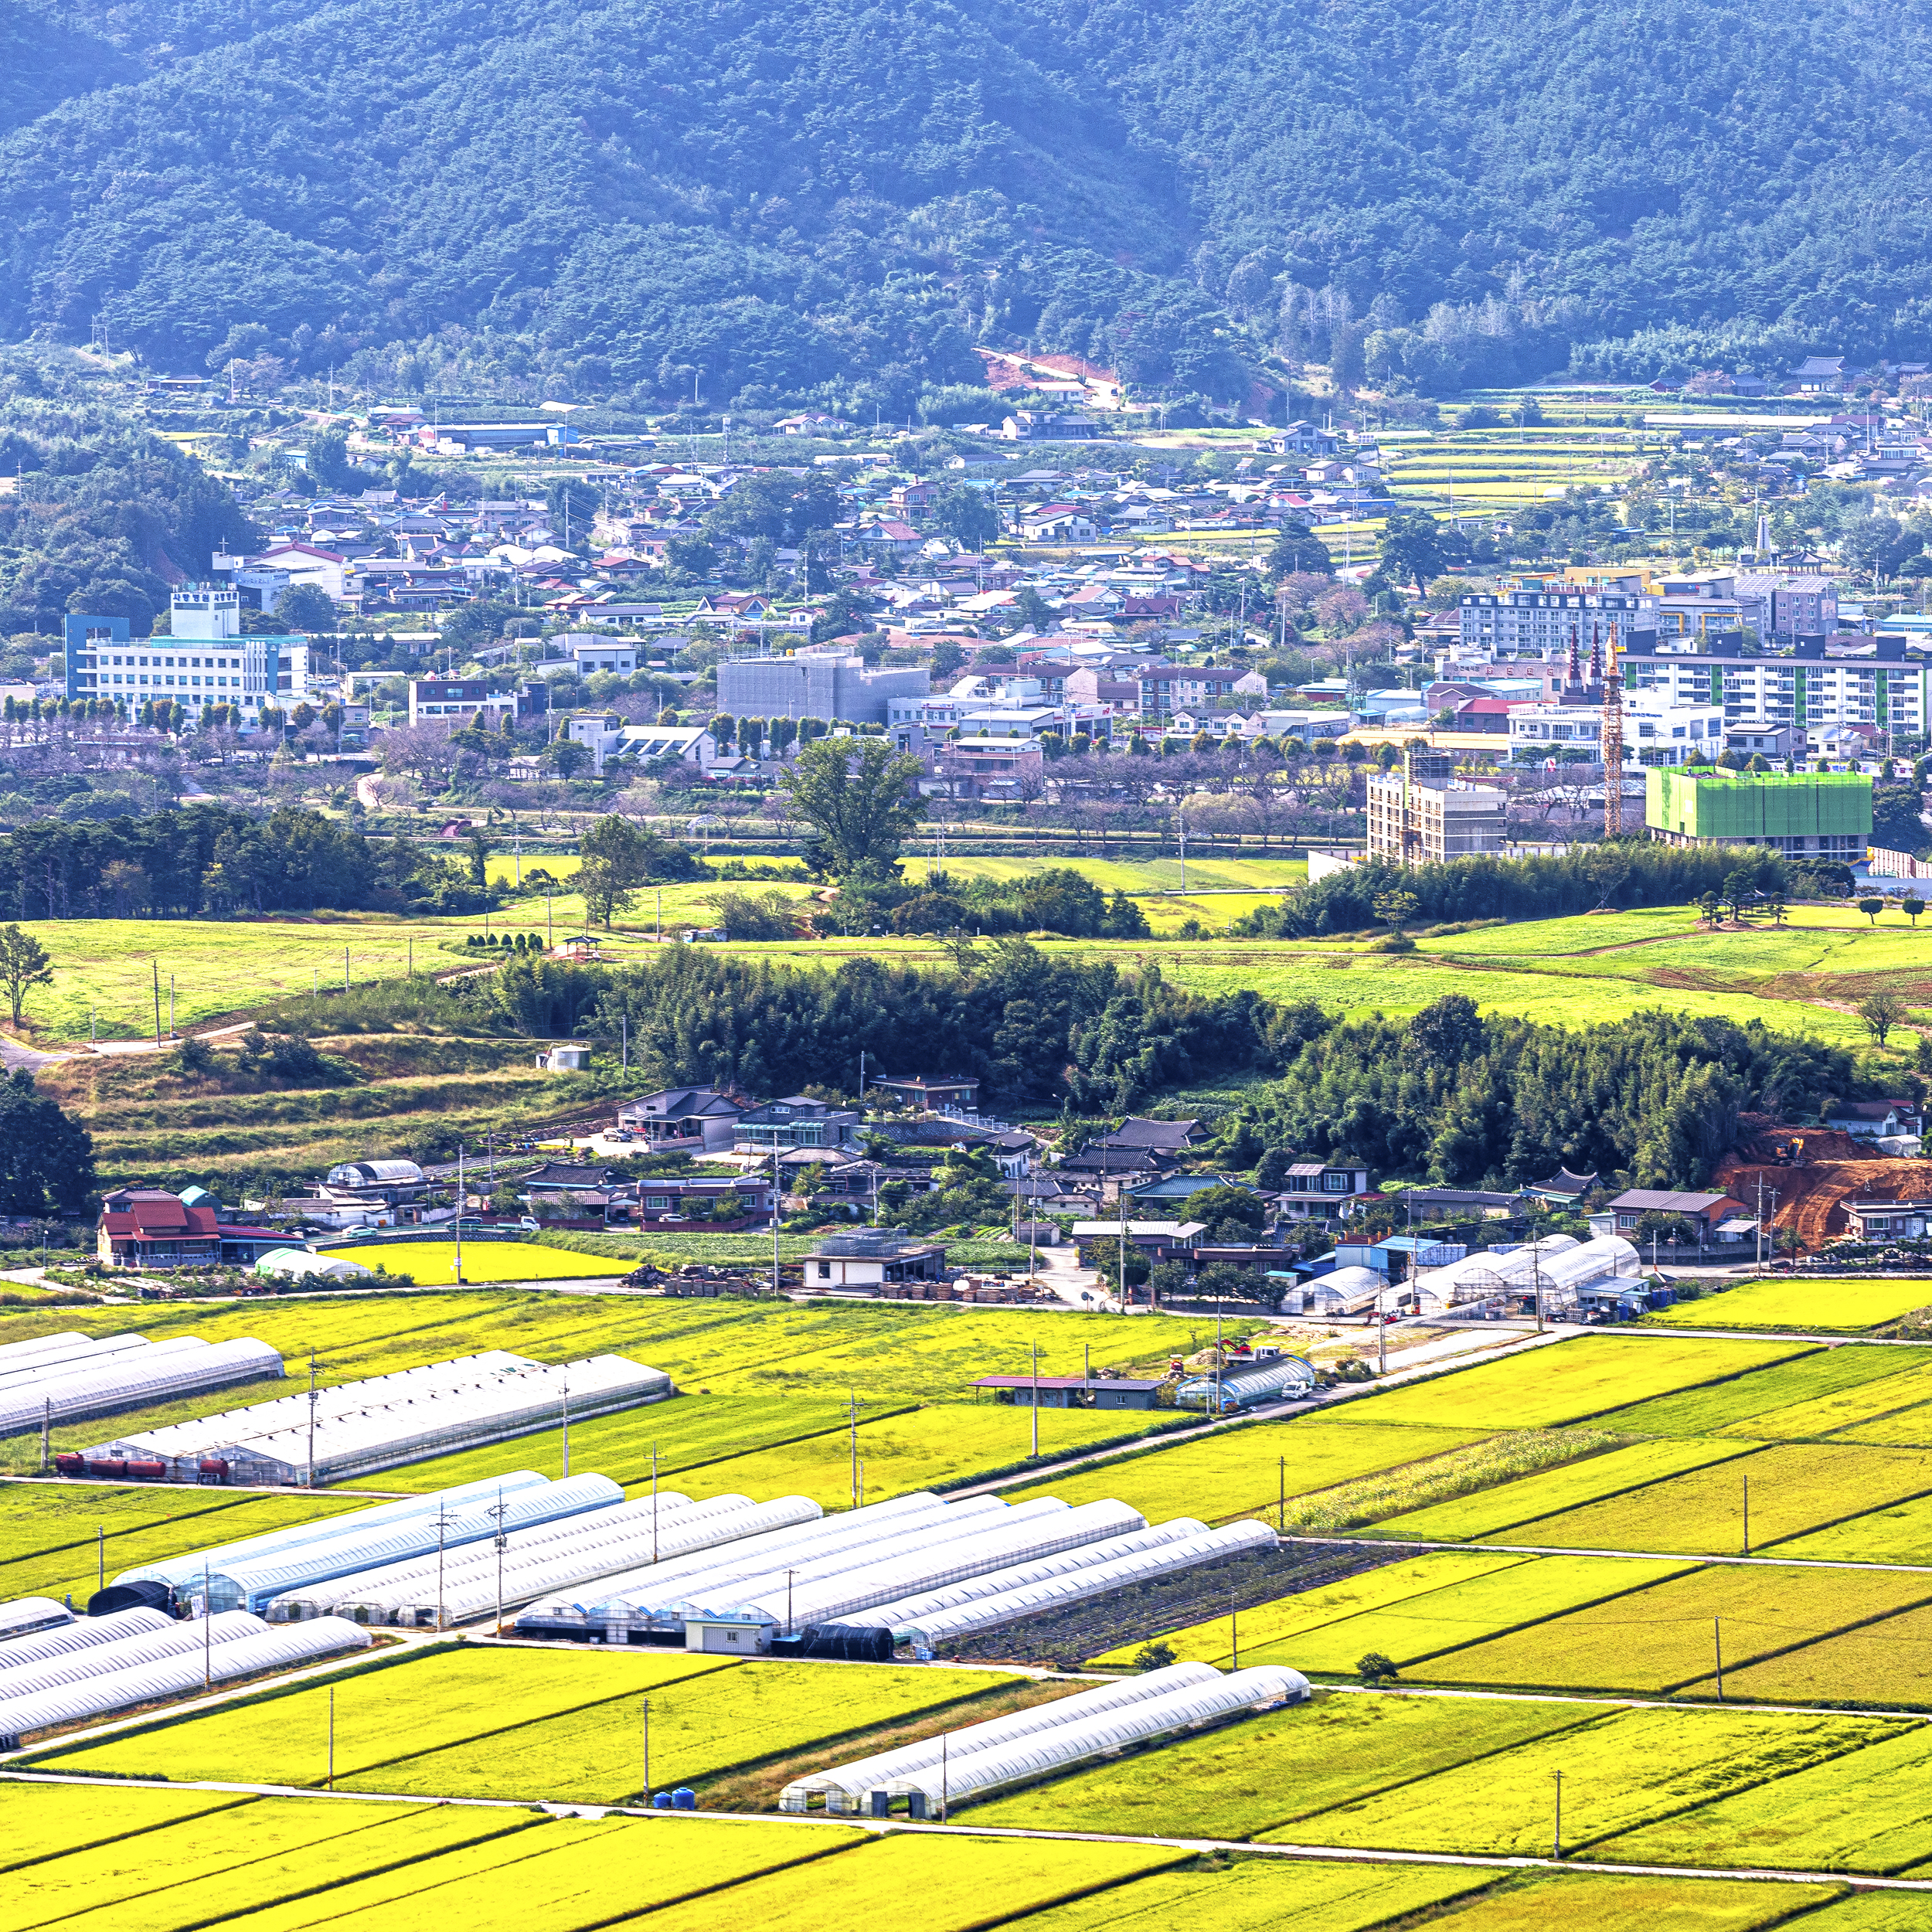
[[1613, 740]]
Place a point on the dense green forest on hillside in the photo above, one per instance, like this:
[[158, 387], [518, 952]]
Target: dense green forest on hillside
[[841, 202]]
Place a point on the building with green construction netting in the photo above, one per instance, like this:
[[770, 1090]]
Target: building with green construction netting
[[1805, 815]]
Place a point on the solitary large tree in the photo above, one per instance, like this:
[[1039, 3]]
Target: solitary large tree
[[860, 799], [617, 860], [24, 962]]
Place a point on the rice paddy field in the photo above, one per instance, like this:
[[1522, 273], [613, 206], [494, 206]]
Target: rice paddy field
[[60, 1540], [1242, 1472], [434, 1263], [1809, 1305], [1541, 1529], [890, 1356]]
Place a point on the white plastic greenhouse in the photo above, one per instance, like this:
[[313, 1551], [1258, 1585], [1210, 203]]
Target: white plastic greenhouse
[[363, 1426], [24, 1615], [736, 1586], [599, 1543], [978, 1774], [1027, 1532], [178, 1572], [1052, 1593], [66, 1352], [139, 1646], [635, 1603], [41, 1344], [1484, 1275], [1282, 1380], [297, 1263], [542, 1570], [83, 1633], [844, 1787], [252, 1583], [171, 1676], [902, 1616], [132, 1379]]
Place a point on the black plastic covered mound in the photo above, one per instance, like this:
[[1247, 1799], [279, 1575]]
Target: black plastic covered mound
[[132, 1596], [849, 1643]]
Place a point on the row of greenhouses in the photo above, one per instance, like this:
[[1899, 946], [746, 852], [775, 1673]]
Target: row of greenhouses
[[156, 1661], [453, 1587]]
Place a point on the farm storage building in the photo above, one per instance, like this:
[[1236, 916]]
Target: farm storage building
[[75, 1389], [362, 1427], [170, 1673]]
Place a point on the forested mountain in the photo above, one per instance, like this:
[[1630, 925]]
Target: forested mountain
[[842, 200]]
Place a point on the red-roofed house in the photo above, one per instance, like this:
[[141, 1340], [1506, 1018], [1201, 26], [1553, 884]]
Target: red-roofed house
[[145, 1228]]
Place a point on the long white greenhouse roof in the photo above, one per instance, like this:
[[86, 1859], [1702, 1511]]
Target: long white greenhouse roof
[[978, 1774], [133, 1379], [372, 1425], [252, 1583], [1028, 1531], [62, 1353], [177, 1572], [21, 1617], [844, 1786], [631, 1599], [602, 1549], [169, 1673], [1027, 1599], [83, 1633], [902, 1616]]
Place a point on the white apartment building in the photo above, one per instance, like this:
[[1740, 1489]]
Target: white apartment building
[[1533, 624], [1807, 689]]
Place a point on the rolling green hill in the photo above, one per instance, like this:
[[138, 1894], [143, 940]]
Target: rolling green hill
[[843, 202]]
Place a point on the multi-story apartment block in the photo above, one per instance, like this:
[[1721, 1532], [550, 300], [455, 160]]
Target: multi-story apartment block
[[1535, 624], [1807, 689]]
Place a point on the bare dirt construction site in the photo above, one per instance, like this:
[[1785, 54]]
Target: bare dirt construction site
[[1814, 1171]]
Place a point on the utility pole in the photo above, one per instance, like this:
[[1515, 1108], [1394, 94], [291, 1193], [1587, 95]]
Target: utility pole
[[855, 1448], [157, 966], [1036, 1401], [647, 1750], [566, 1424], [777, 1183], [462, 1188], [207, 1629], [1717, 1640], [500, 1540], [313, 1399], [653, 1503], [1557, 1844]]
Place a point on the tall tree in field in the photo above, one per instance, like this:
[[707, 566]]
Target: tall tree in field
[[860, 799], [617, 860], [23, 963]]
